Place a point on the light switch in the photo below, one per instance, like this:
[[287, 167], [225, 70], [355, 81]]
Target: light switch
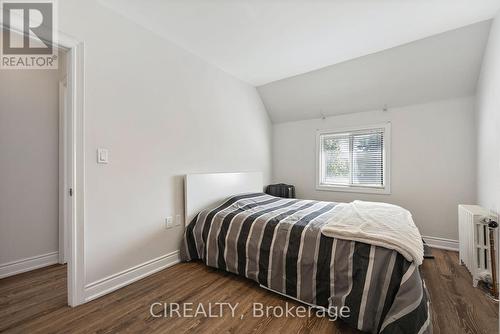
[[102, 156], [168, 222]]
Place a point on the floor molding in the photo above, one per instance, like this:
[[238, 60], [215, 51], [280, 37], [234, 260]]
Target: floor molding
[[28, 264], [113, 282], [442, 243]]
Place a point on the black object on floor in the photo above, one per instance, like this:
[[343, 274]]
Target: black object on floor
[[281, 190], [427, 251]]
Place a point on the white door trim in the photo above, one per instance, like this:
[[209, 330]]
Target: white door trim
[[76, 261], [63, 172]]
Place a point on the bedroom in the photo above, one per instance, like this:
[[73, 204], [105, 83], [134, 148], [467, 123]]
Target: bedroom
[[161, 90]]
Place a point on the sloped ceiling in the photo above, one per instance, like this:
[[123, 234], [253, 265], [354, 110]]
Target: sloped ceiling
[[438, 67], [260, 41]]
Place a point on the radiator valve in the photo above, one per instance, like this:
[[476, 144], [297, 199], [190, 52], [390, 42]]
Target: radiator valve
[[492, 224]]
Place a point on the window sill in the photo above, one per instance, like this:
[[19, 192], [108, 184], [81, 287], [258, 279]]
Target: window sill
[[362, 190]]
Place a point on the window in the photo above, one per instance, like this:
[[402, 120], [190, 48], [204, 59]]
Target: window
[[354, 159]]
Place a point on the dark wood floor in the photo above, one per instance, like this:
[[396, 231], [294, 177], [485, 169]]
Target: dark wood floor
[[35, 302]]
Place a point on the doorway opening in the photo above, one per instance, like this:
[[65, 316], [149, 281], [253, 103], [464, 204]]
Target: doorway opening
[[42, 218]]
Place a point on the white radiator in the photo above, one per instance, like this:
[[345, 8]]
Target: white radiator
[[474, 240]]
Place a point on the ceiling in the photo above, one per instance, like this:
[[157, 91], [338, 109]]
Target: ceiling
[[443, 66], [260, 41]]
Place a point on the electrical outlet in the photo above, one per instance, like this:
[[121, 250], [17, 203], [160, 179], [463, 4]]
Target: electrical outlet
[[178, 220], [169, 222]]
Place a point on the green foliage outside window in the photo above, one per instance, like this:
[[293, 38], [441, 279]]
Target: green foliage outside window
[[335, 166]]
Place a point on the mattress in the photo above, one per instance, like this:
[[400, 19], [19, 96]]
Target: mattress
[[278, 243]]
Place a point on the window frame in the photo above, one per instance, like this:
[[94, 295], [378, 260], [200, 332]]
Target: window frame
[[386, 189]]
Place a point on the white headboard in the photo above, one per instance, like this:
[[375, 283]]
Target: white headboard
[[202, 191]]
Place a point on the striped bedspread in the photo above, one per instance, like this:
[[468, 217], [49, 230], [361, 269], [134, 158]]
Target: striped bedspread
[[278, 243]]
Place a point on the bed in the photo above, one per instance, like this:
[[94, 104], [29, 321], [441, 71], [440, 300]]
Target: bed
[[278, 243]]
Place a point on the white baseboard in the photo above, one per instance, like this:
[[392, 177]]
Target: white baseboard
[[28, 264], [442, 243], [114, 282]]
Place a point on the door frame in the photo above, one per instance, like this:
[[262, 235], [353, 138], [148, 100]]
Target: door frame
[[75, 176], [64, 169], [75, 158]]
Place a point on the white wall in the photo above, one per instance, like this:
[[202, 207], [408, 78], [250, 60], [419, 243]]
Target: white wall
[[488, 124], [29, 119], [432, 167], [162, 113]]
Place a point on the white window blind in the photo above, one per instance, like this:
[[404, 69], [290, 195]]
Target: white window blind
[[353, 158]]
